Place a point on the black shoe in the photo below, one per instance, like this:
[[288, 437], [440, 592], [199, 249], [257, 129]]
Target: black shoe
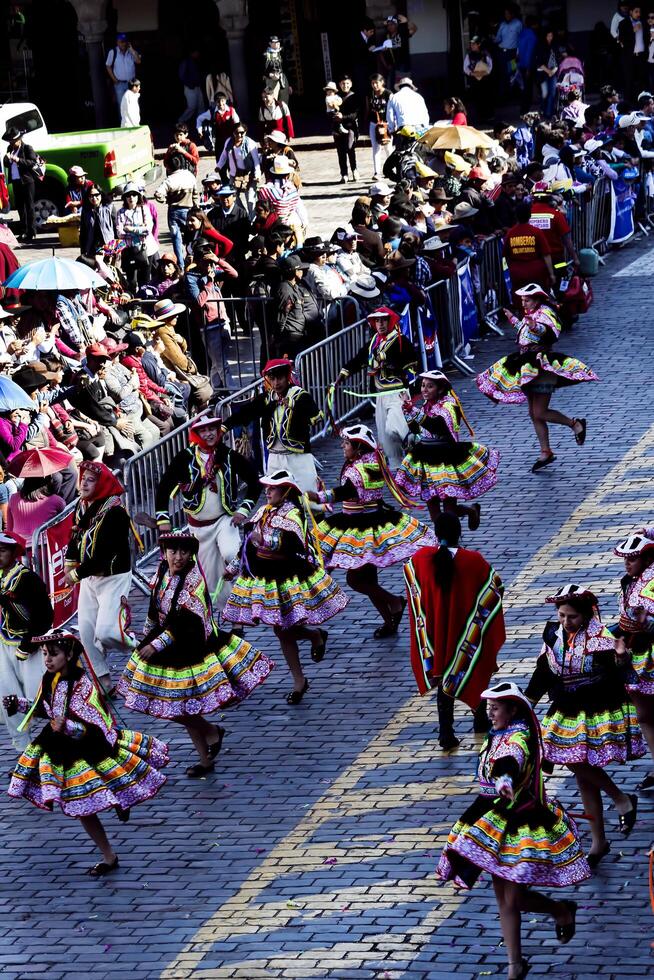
[[594, 859], [198, 770], [215, 747], [294, 697], [565, 933], [627, 820], [390, 629], [542, 463], [122, 813], [525, 967], [580, 437], [317, 653], [448, 741], [646, 784]]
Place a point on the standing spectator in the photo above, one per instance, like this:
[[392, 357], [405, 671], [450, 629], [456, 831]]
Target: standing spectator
[[217, 334], [455, 111], [293, 327], [198, 231], [371, 246], [376, 105], [20, 161], [348, 261], [217, 83], [241, 165], [618, 17], [633, 56], [284, 198], [276, 145], [506, 39], [650, 49], [322, 278], [182, 146], [179, 191], [78, 187], [130, 107], [547, 66], [527, 45], [231, 219], [97, 225], [134, 225], [225, 121], [363, 55], [407, 108], [477, 66], [191, 77], [527, 252], [121, 64], [395, 48], [274, 115], [274, 76], [348, 118]]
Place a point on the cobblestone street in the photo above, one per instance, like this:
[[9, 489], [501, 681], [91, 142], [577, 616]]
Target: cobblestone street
[[311, 851]]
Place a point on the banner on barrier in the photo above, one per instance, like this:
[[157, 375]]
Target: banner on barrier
[[468, 307], [64, 602], [622, 212]]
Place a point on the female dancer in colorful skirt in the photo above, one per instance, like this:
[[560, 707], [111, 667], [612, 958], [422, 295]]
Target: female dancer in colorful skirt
[[438, 467], [536, 371], [590, 722], [369, 534], [80, 761], [635, 632], [184, 668], [282, 581], [513, 831], [457, 625]]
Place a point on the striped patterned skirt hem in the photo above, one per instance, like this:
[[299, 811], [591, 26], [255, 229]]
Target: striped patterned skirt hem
[[290, 602], [597, 738], [473, 477]]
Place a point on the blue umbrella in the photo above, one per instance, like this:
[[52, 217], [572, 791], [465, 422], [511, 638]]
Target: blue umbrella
[[54, 274], [12, 397]]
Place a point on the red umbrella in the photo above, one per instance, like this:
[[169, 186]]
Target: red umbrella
[[39, 462]]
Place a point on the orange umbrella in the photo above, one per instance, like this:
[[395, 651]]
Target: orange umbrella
[[34, 463], [456, 138]]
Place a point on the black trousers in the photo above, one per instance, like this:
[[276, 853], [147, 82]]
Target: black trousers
[[136, 266], [346, 148], [24, 200]]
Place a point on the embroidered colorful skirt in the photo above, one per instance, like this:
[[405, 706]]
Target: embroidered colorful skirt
[[87, 775], [535, 845], [464, 471], [506, 380], [172, 689], [591, 732], [641, 675], [379, 537], [283, 593]]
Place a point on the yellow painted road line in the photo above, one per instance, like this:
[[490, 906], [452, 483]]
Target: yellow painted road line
[[245, 914]]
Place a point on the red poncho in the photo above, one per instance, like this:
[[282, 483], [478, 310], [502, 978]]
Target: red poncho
[[456, 632]]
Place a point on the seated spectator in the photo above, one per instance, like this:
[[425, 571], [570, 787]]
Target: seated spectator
[[348, 261], [124, 387], [322, 279], [160, 411], [166, 277], [371, 247], [76, 190], [175, 356], [35, 504], [178, 391]]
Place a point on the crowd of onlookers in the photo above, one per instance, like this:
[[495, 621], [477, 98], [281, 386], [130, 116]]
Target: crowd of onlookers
[[112, 370]]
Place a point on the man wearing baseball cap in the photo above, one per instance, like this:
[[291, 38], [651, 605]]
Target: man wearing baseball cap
[[121, 65]]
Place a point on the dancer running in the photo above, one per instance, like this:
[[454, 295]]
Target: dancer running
[[287, 413], [25, 609], [438, 467], [536, 371], [98, 557], [590, 722], [635, 631], [80, 761], [391, 361], [184, 668], [457, 625], [513, 831], [369, 534], [282, 581], [209, 474]]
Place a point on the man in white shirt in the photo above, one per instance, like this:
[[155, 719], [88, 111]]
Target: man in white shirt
[[121, 65], [179, 191], [407, 108]]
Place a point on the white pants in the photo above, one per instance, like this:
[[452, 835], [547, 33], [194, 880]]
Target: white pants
[[22, 678], [219, 544], [98, 618], [380, 152], [392, 426], [301, 466]]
